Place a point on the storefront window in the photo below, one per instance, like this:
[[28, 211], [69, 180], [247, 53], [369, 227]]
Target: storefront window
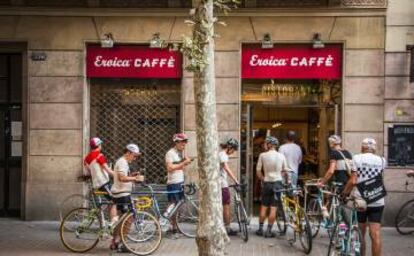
[[145, 112]]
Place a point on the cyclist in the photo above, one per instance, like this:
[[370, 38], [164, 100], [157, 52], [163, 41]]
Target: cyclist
[[339, 164], [228, 147], [273, 163], [175, 161], [339, 158], [369, 167], [97, 166], [122, 188]]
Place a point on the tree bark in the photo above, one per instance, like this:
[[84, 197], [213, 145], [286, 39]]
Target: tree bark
[[211, 235]]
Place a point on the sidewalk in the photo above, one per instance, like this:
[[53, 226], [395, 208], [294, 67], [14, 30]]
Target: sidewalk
[[42, 238]]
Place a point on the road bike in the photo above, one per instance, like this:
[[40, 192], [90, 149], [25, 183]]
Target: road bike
[[184, 213], [346, 238], [240, 210], [316, 203], [295, 218], [82, 228], [404, 220]]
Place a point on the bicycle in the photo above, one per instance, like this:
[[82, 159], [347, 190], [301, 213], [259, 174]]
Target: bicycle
[[346, 239], [82, 228], [404, 220], [316, 203], [240, 211], [185, 212], [295, 218], [76, 200]]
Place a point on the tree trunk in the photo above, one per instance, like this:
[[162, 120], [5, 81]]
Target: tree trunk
[[211, 234]]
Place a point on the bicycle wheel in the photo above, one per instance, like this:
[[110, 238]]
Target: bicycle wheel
[[355, 242], [71, 202], [281, 219], [141, 233], [314, 213], [79, 230], [335, 245], [305, 234], [187, 218], [242, 220], [404, 221]]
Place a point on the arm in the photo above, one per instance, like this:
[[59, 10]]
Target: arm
[[229, 172], [123, 178], [107, 169], [171, 166], [259, 168], [330, 172], [350, 184]]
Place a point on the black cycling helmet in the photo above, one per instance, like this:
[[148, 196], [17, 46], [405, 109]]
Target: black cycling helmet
[[232, 143], [272, 140]]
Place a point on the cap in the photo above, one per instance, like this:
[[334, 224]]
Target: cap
[[95, 142], [133, 148], [335, 139], [369, 143], [180, 137]]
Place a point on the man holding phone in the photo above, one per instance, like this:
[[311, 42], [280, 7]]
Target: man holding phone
[[175, 161]]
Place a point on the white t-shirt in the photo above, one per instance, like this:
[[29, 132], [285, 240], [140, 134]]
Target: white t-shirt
[[120, 189], [175, 157], [224, 158], [293, 155], [273, 164], [368, 166]]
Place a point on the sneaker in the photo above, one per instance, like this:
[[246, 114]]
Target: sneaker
[[231, 232], [122, 249], [259, 232], [269, 233]]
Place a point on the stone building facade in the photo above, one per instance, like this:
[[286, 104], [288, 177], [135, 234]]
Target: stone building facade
[[56, 103]]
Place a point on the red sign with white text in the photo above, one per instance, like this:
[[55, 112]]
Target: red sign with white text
[[295, 61], [132, 62]]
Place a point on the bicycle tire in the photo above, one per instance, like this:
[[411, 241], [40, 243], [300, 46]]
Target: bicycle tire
[[147, 236], [333, 239], [305, 232], [281, 219], [314, 213], [402, 215], [355, 242], [91, 223], [187, 218], [242, 220], [71, 202]]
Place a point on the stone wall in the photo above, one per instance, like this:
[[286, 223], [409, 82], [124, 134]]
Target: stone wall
[[57, 86], [399, 92]]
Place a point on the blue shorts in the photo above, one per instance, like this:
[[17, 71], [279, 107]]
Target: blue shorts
[[175, 197]]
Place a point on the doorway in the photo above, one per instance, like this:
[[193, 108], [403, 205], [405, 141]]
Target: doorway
[[11, 139], [310, 108]]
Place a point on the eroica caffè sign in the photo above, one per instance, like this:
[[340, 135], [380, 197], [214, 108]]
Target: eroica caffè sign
[[292, 61], [132, 62]]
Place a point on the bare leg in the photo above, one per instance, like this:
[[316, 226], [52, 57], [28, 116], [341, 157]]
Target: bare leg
[[363, 228], [272, 216], [226, 214], [375, 234], [263, 213]]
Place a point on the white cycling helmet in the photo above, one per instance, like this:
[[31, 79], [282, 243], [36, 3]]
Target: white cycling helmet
[[133, 148], [369, 143]]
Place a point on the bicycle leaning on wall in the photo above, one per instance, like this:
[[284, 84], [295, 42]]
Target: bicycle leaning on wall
[[404, 221]]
